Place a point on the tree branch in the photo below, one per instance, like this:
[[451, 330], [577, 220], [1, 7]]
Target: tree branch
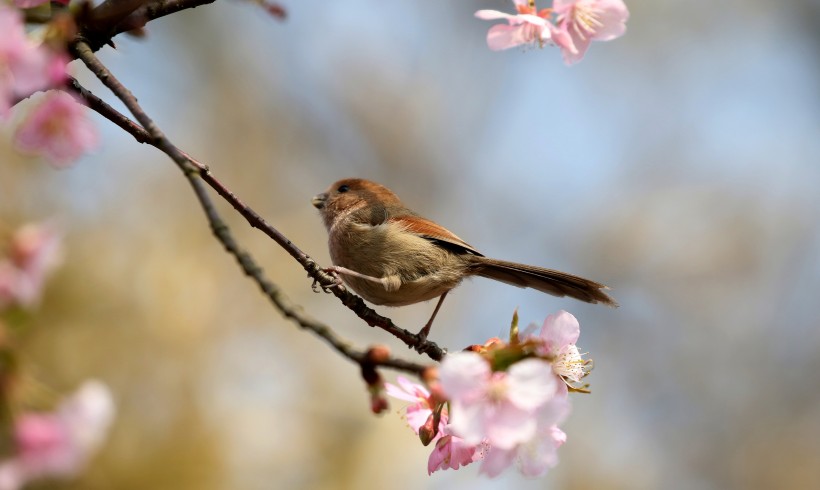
[[193, 169], [100, 24], [151, 134]]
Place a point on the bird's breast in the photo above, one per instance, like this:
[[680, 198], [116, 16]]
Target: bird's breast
[[424, 269]]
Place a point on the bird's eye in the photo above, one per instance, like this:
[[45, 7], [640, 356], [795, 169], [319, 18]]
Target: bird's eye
[[343, 188]]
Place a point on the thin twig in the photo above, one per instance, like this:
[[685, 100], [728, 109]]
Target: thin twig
[[108, 112], [219, 228], [352, 301]]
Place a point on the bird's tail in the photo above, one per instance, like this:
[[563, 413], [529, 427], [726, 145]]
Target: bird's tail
[[547, 281]]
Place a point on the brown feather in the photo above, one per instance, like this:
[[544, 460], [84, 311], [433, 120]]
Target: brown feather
[[547, 281], [434, 232]]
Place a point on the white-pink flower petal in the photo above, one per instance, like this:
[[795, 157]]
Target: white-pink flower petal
[[506, 426], [587, 20], [493, 15], [468, 421], [560, 329], [464, 374], [523, 28], [530, 383], [496, 461], [420, 410], [407, 390]]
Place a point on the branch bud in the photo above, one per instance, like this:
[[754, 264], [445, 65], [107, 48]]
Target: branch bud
[[378, 354]]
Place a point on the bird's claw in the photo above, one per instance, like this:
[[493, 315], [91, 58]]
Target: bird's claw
[[337, 281]]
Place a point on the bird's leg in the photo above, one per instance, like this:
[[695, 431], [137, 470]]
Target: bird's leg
[[426, 329], [390, 283]]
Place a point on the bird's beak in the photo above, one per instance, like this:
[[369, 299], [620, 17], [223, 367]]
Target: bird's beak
[[319, 200]]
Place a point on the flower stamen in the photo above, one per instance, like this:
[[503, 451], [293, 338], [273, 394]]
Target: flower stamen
[[570, 364]]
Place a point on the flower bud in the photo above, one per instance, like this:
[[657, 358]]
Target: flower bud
[[428, 431], [378, 404]]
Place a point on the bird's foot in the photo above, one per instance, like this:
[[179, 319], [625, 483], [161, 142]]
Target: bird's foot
[[423, 333], [337, 281]]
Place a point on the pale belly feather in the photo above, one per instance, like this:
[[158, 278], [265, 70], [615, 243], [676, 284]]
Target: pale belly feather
[[428, 275]]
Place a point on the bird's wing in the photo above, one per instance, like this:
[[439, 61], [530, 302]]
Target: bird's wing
[[434, 232]]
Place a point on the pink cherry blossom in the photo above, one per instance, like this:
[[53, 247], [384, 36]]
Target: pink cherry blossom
[[35, 250], [421, 409], [449, 450], [452, 452], [498, 407], [535, 461], [537, 455], [558, 334], [25, 66], [582, 21], [59, 444], [529, 26], [59, 128], [44, 444]]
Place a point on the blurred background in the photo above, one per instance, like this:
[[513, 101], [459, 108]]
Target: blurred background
[[678, 165]]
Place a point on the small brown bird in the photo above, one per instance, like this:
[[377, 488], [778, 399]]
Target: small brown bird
[[392, 256]]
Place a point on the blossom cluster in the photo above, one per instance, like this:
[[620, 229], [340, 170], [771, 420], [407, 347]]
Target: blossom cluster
[[57, 127], [569, 24], [56, 444], [500, 403], [25, 65], [59, 444]]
